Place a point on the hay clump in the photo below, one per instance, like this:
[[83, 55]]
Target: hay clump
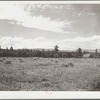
[[8, 62], [67, 65], [21, 60], [98, 65], [70, 64], [1, 60]]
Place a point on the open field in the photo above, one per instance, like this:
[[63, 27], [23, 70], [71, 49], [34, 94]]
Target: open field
[[49, 74]]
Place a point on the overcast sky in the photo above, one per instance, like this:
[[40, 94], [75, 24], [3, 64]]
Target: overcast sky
[[29, 25]]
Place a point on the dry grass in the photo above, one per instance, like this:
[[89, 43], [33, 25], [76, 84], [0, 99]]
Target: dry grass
[[49, 74]]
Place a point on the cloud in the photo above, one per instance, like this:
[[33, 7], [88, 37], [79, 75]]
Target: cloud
[[41, 42], [16, 12], [82, 42], [19, 42]]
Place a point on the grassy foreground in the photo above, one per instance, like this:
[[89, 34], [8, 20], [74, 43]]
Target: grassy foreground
[[49, 74]]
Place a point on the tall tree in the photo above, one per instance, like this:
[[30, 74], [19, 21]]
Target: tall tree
[[96, 53], [56, 48], [0, 47], [56, 55], [79, 52], [11, 48]]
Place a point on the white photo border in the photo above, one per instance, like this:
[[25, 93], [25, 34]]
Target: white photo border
[[51, 94]]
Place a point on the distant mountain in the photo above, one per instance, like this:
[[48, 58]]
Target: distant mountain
[[91, 50], [86, 50], [52, 49]]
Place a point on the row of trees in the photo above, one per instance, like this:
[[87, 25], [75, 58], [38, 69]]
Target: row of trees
[[39, 53]]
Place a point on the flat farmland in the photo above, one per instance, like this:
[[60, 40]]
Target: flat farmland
[[49, 74]]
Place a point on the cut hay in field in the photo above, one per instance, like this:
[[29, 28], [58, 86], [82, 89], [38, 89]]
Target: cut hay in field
[[8, 62], [21, 60], [98, 65], [72, 74], [67, 65], [1, 60]]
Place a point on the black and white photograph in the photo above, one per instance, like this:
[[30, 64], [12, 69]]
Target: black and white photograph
[[49, 47]]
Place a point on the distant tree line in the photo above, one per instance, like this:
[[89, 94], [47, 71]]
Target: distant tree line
[[55, 53]]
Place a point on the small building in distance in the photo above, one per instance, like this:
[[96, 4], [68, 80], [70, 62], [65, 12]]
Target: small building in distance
[[87, 55]]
